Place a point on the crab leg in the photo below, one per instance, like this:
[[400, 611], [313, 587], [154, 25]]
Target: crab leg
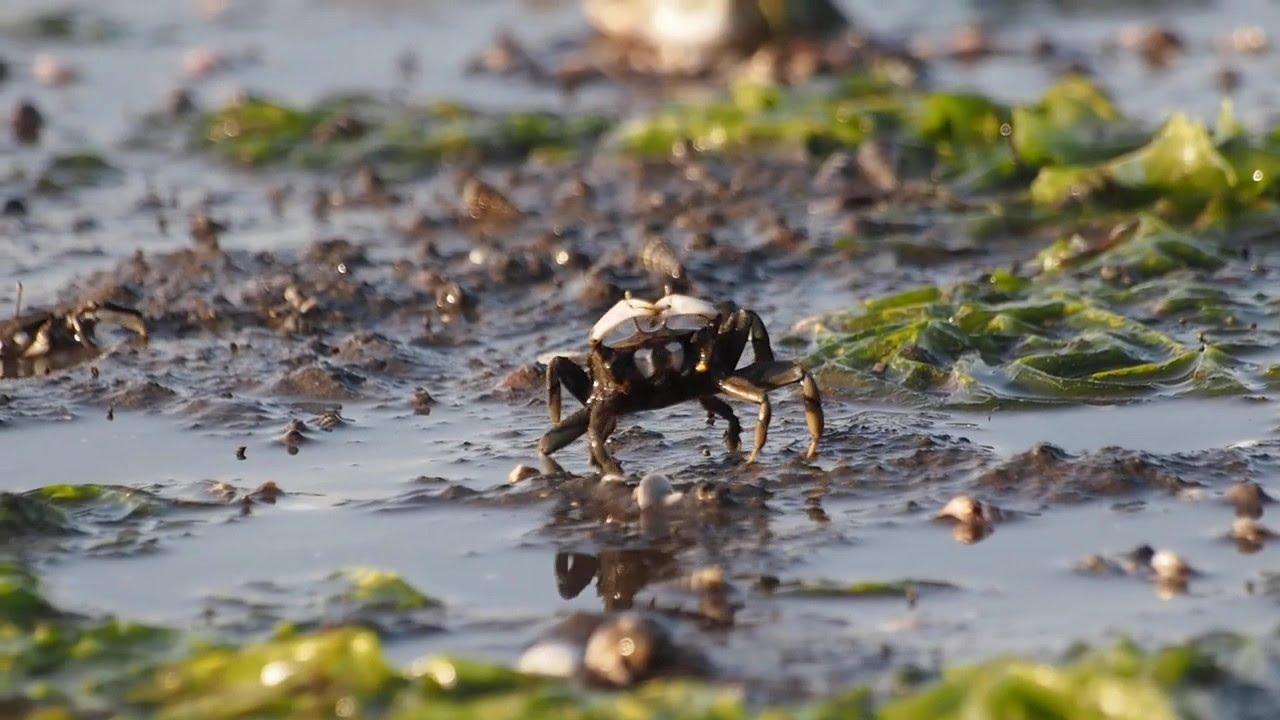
[[574, 572], [565, 432], [715, 406], [773, 375], [602, 423], [564, 371], [741, 388]]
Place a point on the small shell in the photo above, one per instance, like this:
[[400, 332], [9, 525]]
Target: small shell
[[520, 473], [963, 508], [551, 658], [655, 491], [1250, 530], [627, 649], [1169, 566], [49, 69], [1248, 499]]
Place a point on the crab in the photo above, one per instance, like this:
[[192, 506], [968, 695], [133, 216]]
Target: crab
[[42, 333], [680, 348]]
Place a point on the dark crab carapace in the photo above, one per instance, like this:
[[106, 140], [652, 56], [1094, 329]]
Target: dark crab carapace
[[682, 349]]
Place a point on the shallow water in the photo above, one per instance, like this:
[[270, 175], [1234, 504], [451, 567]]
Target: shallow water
[[427, 495]]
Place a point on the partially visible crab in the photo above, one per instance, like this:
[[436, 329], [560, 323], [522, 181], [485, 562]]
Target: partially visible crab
[[679, 348], [689, 36], [40, 334]]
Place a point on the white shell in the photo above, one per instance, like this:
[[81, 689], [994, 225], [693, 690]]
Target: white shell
[[963, 508], [664, 310], [1169, 565], [653, 491], [551, 658]]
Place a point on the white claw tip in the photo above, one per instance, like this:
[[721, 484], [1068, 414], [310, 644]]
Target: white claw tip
[[651, 316]]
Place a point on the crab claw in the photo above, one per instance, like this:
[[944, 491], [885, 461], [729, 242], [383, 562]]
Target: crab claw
[[625, 309], [679, 305], [118, 315], [668, 307]]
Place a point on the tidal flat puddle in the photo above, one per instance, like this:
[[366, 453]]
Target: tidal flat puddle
[[1157, 426], [1021, 590]]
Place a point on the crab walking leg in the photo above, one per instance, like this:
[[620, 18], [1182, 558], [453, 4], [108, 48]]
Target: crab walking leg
[[715, 406], [812, 413], [742, 389], [602, 423], [565, 432], [564, 371], [773, 375], [574, 572]]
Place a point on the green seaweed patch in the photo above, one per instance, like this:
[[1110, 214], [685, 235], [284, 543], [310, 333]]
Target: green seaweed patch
[[977, 346], [1143, 250], [1075, 122], [372, 598], [24, 516], [106, 504], [383, 589], [1184, 164], [762, 117], [21, 600], [863, 589], [339, 672], [64, 24], [102, 519], [1121, 682], [75, 170], [50, 657], [342, 133]]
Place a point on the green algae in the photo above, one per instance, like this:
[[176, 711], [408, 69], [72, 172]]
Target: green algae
[[818, 589], [371, 598], [762, 117], [63, 24], [346, 132], [23, 516], [75, 170], [97, 519], [375, 589], [21, 601], [51, 657], [1095, 320]]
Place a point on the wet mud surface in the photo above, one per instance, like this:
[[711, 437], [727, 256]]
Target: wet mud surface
[[346, 375]]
